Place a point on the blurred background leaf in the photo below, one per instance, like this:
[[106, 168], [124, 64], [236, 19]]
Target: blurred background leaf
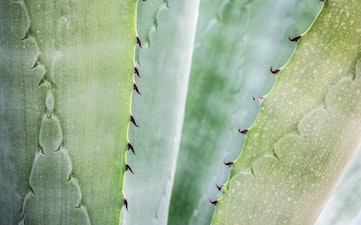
[[236, 43], [344, 207]]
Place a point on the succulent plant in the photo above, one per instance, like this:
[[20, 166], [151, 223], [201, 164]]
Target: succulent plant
[[135, 112]]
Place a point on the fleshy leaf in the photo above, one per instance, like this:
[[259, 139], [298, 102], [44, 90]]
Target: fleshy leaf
[[287, 170], [66, 84], [166, 30], [236, 43]]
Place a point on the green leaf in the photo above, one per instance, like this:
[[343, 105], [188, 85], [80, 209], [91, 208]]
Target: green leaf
[[344, 206], [307, 132], [234, 49], [66, 101], [66, 82], [20, 110], [167, 31]]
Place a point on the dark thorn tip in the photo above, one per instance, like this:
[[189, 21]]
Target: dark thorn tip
[[219, 187], [245, 131], [213, 202], [125, 202], [133, 121], [295, 39], [275, 72], [130, 147], [127, 167], [229, 164], [139, 42], [136, 71], [135, 87]]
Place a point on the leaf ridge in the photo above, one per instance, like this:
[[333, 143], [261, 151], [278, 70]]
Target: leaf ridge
[[52, 154]]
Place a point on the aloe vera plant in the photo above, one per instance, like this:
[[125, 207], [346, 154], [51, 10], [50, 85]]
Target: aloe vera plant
[[85, 83]]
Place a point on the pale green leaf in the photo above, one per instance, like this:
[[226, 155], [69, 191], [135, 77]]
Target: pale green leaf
[[66, 83], [307, 132], [344, 207], [237, 42], [167, 31]]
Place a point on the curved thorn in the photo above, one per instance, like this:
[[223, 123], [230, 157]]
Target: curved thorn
[[258, 99], [213, 202], [130, 147], [69, 178], [245, 131], [133, 121], [139, 42], [295, 39], [32, 190], [37, 63], [136, 71], [26, 36], [275, 72], [78, 206], [125, 202], [229, 164], [127, 167], [219, 187], [135, 87]]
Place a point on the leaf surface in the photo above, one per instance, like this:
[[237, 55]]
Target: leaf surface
[[167, 31], [71, 71], [344, 206], [236, 43], [317, 98]]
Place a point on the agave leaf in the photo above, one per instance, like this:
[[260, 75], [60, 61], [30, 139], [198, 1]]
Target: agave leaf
[[233, 52], [66, 83], [288, 169], [20, 110], [167, 31], [344, 207]]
